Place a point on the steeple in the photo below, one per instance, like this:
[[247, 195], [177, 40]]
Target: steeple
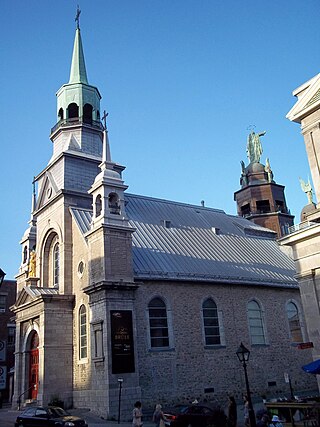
[[78, 73], [78, 128]]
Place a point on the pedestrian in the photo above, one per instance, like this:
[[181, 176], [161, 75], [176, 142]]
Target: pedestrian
[[275, 422], [263, 421], [232, 412], [158, 416], [246, 411], [137, 415]]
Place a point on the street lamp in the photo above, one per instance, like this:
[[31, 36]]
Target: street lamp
[[243, 355], [120, 381], [2, 274]]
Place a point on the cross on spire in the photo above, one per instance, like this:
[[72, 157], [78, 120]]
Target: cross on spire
[[77, 18], [104, 118]]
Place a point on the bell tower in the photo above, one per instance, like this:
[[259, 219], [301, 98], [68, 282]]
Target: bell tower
[[260, 198]]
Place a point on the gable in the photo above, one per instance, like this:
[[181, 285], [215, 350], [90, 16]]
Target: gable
[[47, 191], [308, 99]]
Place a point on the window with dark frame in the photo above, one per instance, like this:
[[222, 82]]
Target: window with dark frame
[[158, 322], [211, 322], [294, 323], [3, 303], [256, 326], [83, 347]]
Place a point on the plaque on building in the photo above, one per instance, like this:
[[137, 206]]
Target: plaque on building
[[122, 342]]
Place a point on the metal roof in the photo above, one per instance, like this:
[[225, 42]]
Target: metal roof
[[195, 243]]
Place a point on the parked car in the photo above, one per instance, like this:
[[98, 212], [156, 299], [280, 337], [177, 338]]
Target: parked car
[[37, 416], [195, 415]]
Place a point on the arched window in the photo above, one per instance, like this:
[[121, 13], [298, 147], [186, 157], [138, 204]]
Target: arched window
[[56, 264], [98, 205], [87, 113], [83, 347], [73, 111], [25, 255], [158, 323], [211, 322], [60, 114], [294, 322], [113, 203], [256, 327]]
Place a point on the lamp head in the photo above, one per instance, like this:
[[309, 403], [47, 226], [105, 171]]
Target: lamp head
[[243, 353]]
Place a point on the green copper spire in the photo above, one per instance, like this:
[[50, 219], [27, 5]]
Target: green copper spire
[[78, 72]]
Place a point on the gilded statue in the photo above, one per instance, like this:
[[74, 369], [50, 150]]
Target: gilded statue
[[32, 264], [254, 147]]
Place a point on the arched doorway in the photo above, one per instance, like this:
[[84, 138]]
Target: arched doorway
[[34, 366]]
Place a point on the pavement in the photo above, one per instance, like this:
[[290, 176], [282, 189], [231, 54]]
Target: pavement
[[8, 417]]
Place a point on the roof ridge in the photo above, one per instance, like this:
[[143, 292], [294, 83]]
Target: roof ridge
[[173, 202]]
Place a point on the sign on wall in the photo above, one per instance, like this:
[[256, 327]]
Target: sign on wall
[[2, 351], [3, 377], [122, 341]]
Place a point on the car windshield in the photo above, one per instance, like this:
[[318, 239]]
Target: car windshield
[[182, 408], [57, 412]]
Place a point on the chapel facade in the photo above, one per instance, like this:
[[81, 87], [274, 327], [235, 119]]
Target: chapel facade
[[116, 289]]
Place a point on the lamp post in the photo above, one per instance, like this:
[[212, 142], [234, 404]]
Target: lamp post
[[243, 355], [120, 381], [2, 274]]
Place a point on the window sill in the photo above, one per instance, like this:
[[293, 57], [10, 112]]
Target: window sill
[[214, 346], [161, 349], [98, 359]]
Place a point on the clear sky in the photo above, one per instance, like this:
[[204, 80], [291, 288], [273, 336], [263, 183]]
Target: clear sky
[[182, 81]]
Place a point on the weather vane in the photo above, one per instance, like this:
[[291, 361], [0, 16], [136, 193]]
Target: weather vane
[[77, 18]]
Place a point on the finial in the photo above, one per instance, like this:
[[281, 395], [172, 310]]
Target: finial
[[104, 118], [77, 18]]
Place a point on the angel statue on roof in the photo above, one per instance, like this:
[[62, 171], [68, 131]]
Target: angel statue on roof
[[306, 188], [254, 147]]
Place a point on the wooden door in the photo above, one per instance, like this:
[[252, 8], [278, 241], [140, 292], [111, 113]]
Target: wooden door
[[34, 367]]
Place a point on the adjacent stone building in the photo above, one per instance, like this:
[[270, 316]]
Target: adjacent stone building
[[7, 338], [304, 238], [155, 295]]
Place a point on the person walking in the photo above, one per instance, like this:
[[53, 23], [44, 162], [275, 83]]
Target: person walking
[[246, 411], [158, 416], [137, 415], [232, 412]]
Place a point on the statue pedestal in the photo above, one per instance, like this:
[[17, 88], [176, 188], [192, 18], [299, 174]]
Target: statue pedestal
[[32, 281]]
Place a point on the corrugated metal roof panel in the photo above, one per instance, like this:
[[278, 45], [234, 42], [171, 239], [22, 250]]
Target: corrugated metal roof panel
[[191, 249]]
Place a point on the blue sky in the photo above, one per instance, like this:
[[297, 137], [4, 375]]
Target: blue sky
[[182, 81]]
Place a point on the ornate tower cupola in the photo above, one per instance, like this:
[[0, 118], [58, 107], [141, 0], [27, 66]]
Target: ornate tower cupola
[[28, 241], [110, 224], [78, 107], [260, 199], [108, 190]]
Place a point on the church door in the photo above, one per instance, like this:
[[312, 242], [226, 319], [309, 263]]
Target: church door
[[34, 367]]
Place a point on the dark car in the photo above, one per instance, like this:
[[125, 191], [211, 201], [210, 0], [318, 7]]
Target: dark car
[[195, 415], [48, 416]]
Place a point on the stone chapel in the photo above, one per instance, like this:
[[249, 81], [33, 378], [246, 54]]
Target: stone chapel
[[118, 289]]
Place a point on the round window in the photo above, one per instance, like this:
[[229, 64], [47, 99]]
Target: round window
[[80, 268]]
